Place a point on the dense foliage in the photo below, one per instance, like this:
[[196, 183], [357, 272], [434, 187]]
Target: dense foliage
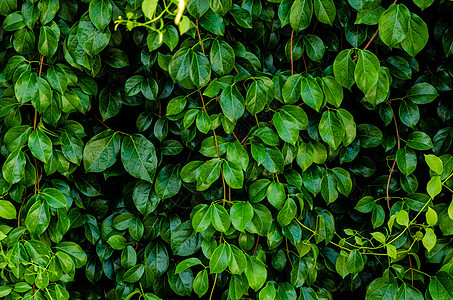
[[223, 149]]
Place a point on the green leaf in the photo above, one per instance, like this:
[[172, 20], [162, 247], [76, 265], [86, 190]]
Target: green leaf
[[325, 11], [343, 179], [276, 195], [213, 23], [233, 174], [292, 89], [394, 24], [100, 12], [149, 8], [222, 57], [331, 129], [341, 266], [314, 46], [255, 272], [417, 36], [369, 135], [419, 141], [72, 148], [441, 286], [167, 182], [429, 239], [382, 288], [333, 91], [201, 283], [241, 16], [237, 154], [241, 214], [406, 160], [14, 167], [434, 163], [8, 211], [48, 39], [370, 15], [422, 93], [329, 188], [355, 262], [117, 242], [232, 102], [200, 69], [260, 93], [48, 9], [116, 58], [201, 219], [366, 71], [286, 126], [220, 218], [38, 217], [287, 213], [26, 87], [381, 90], [54, 197], [344, 68], [349, 126], [57, 78], [269, 292], [16, 137], [301, 14], [91, 39], [101, 151], [312, 93], [434, 186], [305, 155], [220, 7], [110, 103], [423, 4], [187, 263], [238, 261], [431, 217], [13, 22], [134, 274], [40, 145], [220, 258]]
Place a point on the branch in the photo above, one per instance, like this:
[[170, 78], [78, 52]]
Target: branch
[[394, 162]]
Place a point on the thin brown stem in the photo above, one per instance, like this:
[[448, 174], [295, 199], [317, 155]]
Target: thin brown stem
[[199, 37], [372, 38], [256, 245], [99, 120], [394, 162], [216, 144], [412, 270], [305, 63], [202, 101]]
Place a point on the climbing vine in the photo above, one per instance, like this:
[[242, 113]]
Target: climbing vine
[[279, 149]]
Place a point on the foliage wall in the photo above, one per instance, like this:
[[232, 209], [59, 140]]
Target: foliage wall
[[280, 149]]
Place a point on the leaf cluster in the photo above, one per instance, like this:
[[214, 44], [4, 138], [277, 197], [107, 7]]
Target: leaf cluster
[[219, 149]]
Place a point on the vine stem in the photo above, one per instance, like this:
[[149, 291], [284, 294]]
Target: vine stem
[[100, 121], [394, 161], [305, 63], [372, 38], [412, 270], [199, 37], [213, 286], [35, 121]]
